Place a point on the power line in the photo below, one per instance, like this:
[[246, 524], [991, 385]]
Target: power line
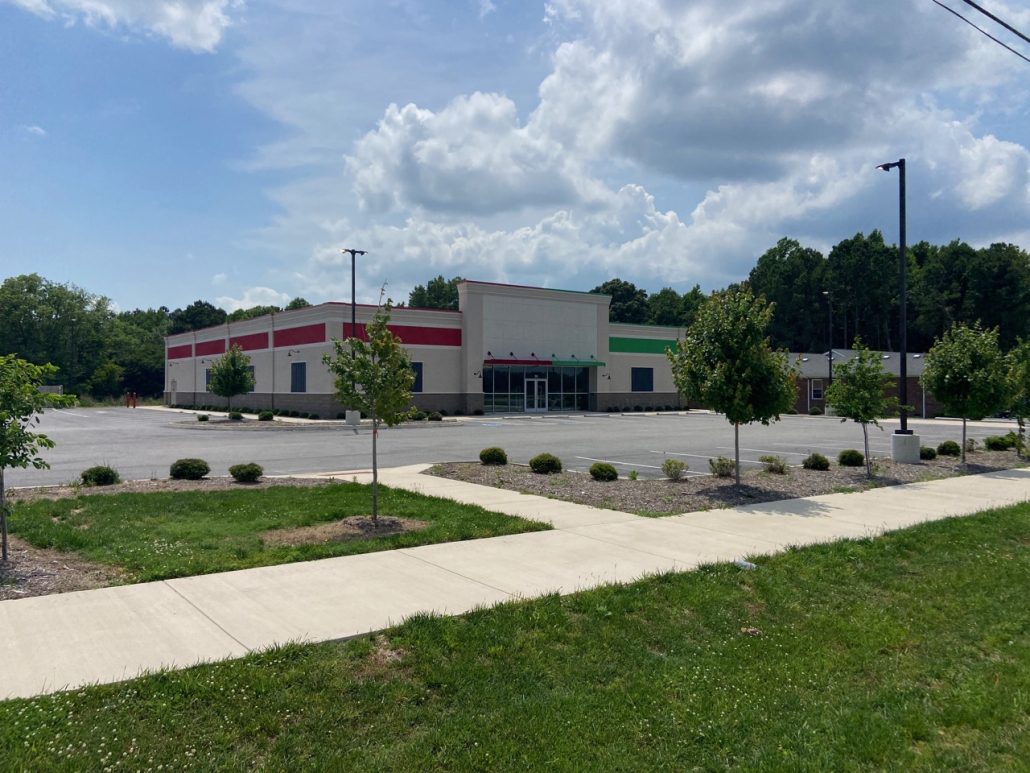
[[982, 31], [990, 15]]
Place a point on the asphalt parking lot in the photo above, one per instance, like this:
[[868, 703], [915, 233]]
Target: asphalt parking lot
[[142, 443]]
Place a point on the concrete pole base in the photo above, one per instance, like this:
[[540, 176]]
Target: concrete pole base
[[905, 449], [353, 418]]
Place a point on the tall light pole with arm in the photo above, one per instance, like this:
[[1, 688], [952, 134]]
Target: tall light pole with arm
[[829, 352], [902, 449], [353, 309]]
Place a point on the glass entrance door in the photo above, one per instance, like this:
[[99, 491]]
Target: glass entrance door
[[536, 394]]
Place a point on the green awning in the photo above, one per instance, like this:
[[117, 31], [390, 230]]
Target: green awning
[[578, 363]]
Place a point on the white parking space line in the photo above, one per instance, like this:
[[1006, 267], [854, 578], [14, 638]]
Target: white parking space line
[[624, 464], [700, 456], [763, 450]]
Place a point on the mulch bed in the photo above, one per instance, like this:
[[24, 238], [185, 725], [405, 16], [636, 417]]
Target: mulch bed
[[695, 492]]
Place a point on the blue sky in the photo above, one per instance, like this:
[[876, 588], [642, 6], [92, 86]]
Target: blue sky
[[160, 151]]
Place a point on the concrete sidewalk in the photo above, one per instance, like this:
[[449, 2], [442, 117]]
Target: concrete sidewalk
[[63, 641]]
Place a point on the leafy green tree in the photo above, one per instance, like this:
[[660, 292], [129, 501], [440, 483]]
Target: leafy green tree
[[20, 402], [1019, 389], [231, 375], [863, 277], [251, 313], [196, 316], [629, 304], [664, 307], [135, 341], [297, 303], [46, 322], [793, 278], [726, 363], [859, 393], [438, 293], [690, 305], [968, 373], [106, 380], [374, 376]]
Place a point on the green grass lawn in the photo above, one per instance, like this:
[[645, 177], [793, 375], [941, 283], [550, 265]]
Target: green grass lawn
[[172, 534], [906, 652]]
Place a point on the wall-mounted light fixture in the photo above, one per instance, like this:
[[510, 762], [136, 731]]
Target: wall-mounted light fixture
[[477, 373], [292, 352], [489, 354]]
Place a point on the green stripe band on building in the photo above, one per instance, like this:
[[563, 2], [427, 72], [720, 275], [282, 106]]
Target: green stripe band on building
[[640, 345], [578, 363]]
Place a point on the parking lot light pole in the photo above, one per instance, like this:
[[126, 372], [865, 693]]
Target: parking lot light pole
[[829, 351], [353, 294], [903, 321]]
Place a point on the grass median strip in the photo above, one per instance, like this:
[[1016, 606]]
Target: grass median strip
[[174, 534], [907, 651]]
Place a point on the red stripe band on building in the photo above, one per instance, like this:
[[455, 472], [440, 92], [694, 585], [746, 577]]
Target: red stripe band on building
[[250, 342], [295, 336], [414, 335], [178, 352], [211, 347]]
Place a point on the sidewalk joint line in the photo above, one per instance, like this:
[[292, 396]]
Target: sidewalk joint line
[[208, 617], [404, 551]]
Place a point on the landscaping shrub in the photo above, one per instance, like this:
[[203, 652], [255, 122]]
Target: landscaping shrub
[[545, 464], [970, 445], [774, 464], [722, 467], [816, 462], [477, 412], [673, 469], [638, 408], [999, 442], [633, 475], [928, 453], [101, 475], [435, 416], [235, 416], [603, 471], [493, 455], [417, 415], [849, 457], [443, 412], [202, 417], [246, 473], [189, 469], [313, 416], [949, 448], [266, 416], [792, 411], [815, 410]]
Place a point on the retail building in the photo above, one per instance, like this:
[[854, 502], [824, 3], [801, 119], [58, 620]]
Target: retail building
[[507, 349]]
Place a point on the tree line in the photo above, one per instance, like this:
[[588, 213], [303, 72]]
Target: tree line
[[857, 282], [97, 350], [105, 352]]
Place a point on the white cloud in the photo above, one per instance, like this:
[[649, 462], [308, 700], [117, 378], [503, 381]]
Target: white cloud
[[219, 279], [34, 130], [486, 7], [196, 25], [253, 296], [671, 142], [472, 157]]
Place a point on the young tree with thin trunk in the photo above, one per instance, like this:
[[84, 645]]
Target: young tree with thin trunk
[[727, 364], [20, 403], [858, 392], [231, 375], [1019, 390], [967, 372], [375, 376]]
